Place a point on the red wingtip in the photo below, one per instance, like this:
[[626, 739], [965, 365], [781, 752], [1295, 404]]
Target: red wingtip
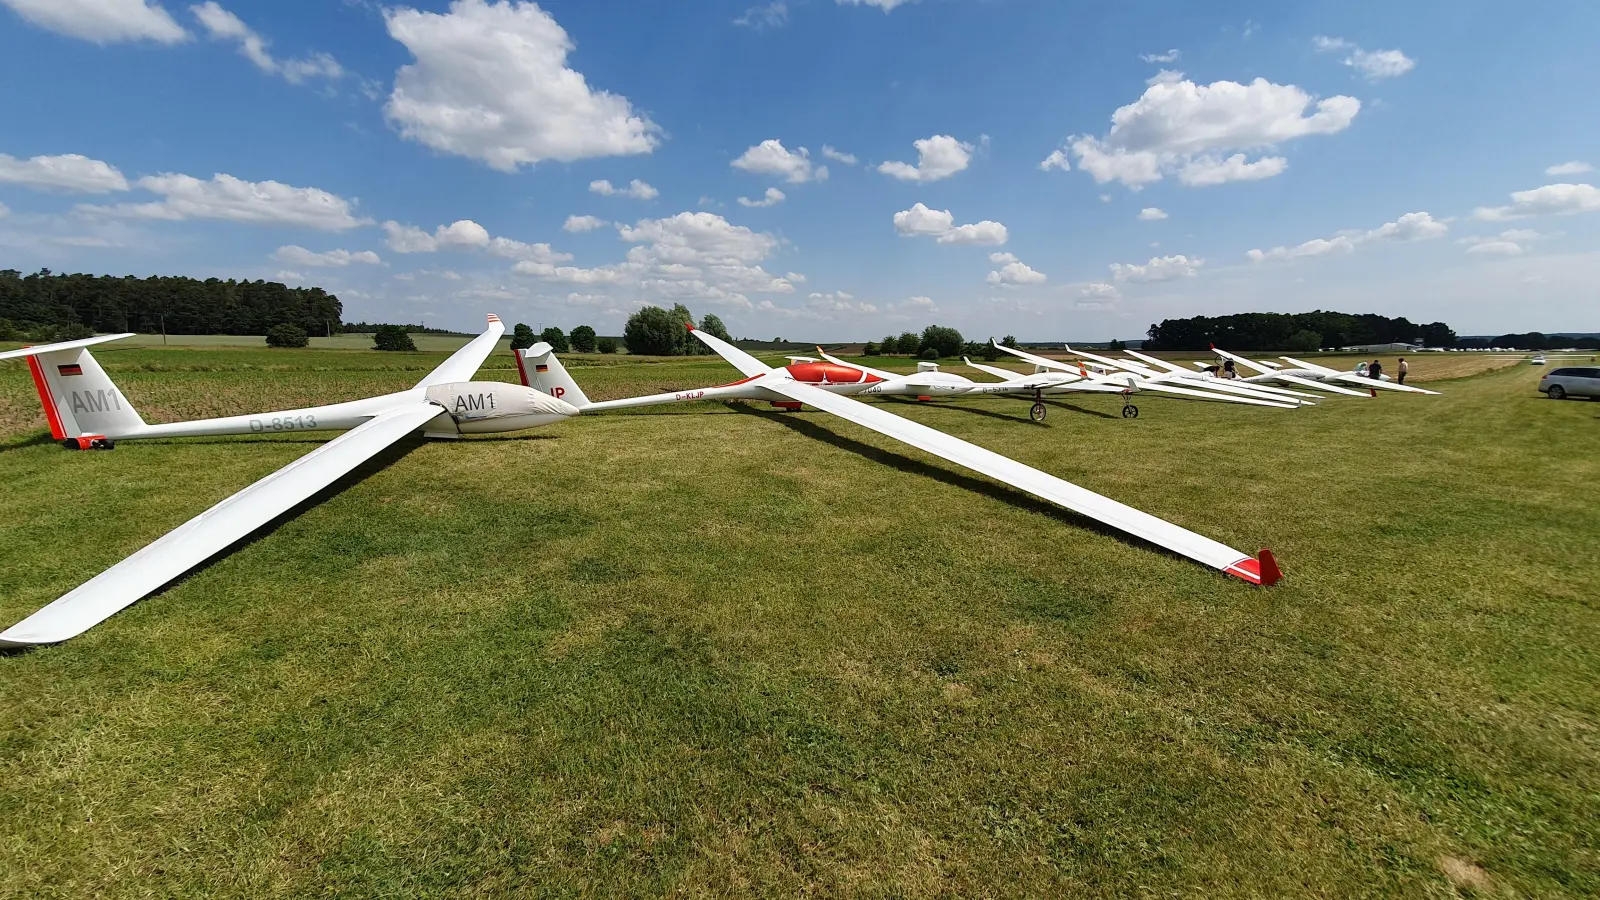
[[1212, 346], [1263, 571], [1270, 573], [689, 325]]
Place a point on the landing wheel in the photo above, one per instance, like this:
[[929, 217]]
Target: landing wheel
[[1037, 412], [1129, 411]]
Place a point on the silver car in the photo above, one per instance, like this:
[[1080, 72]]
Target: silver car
[[1559, 384]]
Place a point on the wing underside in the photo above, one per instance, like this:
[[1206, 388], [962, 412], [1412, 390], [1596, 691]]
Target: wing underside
[[207, 534]]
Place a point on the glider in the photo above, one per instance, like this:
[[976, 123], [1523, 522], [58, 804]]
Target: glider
[[1320, 377], [1173, 373], [86, 411], [1136, 381], [782, 388]]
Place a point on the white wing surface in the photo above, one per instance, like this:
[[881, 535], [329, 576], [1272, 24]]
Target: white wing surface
[[207, 534], [64, 345], [1353, 378], [1009, 471], [463, 363], [747, 365]]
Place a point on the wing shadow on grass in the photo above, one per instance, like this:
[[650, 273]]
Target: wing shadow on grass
[[1003, 493], [1078, 409], [383, 460], [987, 413]]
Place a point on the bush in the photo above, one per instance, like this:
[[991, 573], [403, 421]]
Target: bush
[[287, 335], [930, 353], [606, 345], [582, 339], [9, 331], [946, 341], [556, 338], [652, 331], [392, 337], [870, 349], [1304, 340], [522, 337]]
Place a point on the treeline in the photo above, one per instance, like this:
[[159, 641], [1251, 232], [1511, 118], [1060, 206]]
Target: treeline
[[653, 331], [1533, 340], [1293, 331], [935, 342], [372, 328], [46, 305]]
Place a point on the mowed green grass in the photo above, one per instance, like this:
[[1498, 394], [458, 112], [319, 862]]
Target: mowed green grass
[[712, 650]]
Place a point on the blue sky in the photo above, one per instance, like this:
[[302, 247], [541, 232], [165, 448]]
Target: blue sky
[[1048, 169]]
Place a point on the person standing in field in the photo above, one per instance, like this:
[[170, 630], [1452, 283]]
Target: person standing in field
[[1375, 370], [1401, 369]]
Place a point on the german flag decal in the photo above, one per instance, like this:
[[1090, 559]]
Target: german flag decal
[[541, 368], [70, 369]]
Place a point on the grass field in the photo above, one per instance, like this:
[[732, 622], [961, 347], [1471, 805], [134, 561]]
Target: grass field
[[715, 650]]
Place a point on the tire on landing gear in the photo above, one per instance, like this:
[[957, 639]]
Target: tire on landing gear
[[1129, 411], [1037, 412]]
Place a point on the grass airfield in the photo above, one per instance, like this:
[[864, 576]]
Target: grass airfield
[[715, 650]]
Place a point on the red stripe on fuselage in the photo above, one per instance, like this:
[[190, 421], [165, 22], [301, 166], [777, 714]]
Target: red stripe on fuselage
[[51, 414]]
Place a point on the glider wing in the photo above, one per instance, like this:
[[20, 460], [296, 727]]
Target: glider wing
[[207, 534], [1023, 477], [463, 363]]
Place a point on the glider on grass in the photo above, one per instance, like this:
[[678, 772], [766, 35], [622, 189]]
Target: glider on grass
[[1136, 381], [782, 387], [1320, 377], [86, 411]]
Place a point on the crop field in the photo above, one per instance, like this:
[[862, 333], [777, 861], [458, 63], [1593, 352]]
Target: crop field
[[721, 650]]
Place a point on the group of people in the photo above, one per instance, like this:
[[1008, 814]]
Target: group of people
[[1374, 370]]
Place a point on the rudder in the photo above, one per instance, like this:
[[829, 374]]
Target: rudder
[[79, 397], [541, 371]]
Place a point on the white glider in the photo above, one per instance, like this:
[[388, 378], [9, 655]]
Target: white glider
[[86, 411], [1321, 378], [1139, 383], [1170, 374], [1212, 382], [783, 388]]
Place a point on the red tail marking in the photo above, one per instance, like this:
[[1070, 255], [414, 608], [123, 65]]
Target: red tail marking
[[51, 414], [1270, 573]]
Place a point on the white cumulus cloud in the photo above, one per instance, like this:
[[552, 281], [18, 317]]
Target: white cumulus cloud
[[1417, 226], [1179, 127], [236, 200], [1169, 56], [938, 157], [69, 171], [1575, 167], [103, 21], [224, 25], [1056, 160], [885, 5], [939, 223], [1013, 272], [1552, 199], [1152, 214], [636, 190], [765, 16], [465, 233], [1159, 268], [1375, 65], [773, 198], [770, 157], [296, 255], [577, 224], [1512, 242], [490, 82], [837, 155]]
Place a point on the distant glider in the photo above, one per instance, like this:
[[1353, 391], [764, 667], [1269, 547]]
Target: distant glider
[[1318, 377], [86, 411], [784, 387]]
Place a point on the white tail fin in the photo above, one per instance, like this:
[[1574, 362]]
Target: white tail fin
[[77, 395], [81, 396], [541, 371]]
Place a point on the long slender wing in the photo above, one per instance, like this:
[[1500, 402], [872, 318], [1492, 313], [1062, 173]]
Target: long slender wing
[[463, 363], [1137, 368], [1009, 471], [1353, 378], [64, 345], [1164, 388], [207, 534], [867, 369], [744, 362], [1312, 367], [1002, 374], [1317, 385], [1241, 360], [1036, 360], [1156, 361]]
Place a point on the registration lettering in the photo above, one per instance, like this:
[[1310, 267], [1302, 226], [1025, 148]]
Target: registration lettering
[[283, 423]]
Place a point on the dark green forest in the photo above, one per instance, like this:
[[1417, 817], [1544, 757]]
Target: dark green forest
[[46, 305], [1293, 331]]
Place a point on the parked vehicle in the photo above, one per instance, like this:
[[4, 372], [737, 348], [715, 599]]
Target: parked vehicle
[[1569, 381]]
